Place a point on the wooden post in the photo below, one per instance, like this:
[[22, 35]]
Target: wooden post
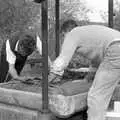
[[110, 13], [44, 8], [38, 1], [57, 26]]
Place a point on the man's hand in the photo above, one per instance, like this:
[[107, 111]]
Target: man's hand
[[54, 78], [53, 89]]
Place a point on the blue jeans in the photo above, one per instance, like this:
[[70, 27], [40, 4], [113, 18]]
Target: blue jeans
[[105, 81]]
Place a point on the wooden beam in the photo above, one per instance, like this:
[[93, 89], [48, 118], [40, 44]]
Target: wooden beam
[[110, 13], [45, 55], [34, 61], [21, 98], [11, 112], [57, 27], [38, 1]]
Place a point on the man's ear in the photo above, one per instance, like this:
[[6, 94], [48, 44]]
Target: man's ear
[[39, 44]]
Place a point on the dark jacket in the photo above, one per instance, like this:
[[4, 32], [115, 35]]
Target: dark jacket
[[4, 66]]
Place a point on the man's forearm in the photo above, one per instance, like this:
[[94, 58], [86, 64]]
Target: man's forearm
[[92, 69], [13, 71]]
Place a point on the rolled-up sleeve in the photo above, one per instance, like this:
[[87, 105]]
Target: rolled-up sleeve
[[10, 57], [68, 48]]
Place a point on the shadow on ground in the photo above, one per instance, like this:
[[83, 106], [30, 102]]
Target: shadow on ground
[[77, 116]]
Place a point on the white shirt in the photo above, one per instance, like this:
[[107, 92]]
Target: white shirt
[[11, 58]]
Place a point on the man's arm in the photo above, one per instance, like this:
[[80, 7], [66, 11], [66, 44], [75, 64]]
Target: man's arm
[[15, 75], [61, 62], [39, 49], [11, 59]]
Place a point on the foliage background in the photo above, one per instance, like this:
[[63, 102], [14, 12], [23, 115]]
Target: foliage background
[[18, 15]]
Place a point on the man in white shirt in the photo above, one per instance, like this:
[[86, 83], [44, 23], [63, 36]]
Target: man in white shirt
[[101, 45]]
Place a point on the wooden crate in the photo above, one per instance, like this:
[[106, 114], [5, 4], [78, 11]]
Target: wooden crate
[[26, 104], [19, 105]]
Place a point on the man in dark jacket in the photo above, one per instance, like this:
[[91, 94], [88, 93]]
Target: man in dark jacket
[[14, 53]]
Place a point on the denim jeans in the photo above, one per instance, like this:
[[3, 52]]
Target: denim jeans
[[105, 81]]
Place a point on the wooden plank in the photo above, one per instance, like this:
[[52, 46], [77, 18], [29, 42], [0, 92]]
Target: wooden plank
[[110, 13], [29, 61], [21, 98], [44, 10], [76, 87], [57, 45], [110, 115], [10, 112]]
